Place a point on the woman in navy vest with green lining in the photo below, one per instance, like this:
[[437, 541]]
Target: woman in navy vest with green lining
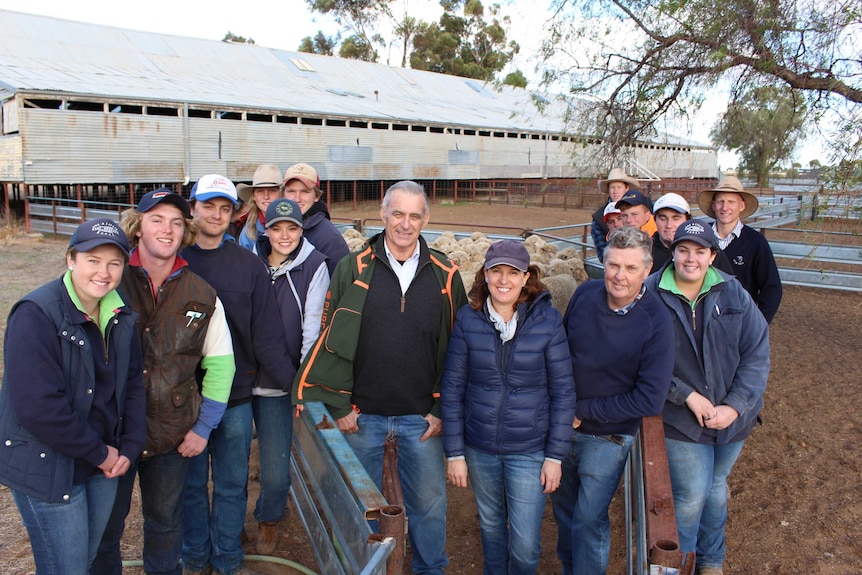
[[72, 405]]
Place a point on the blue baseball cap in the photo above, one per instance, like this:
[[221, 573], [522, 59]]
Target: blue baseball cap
[[283, 210], [634, 198], [508, 252], [154, 198], [697, 231], [98, 232]]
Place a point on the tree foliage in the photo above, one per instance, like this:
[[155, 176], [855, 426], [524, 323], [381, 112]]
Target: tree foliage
[[357, 48], [463, 42], [320, 44], [516, 79], [359, 18], [231, 37], [763, 126], [645, 61]]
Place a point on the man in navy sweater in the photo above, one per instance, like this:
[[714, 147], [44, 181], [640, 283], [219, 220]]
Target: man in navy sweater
[[748, 251], [211, 535], [621, 341]]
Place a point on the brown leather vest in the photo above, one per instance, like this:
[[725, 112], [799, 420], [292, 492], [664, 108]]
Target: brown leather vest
[[172, 332]]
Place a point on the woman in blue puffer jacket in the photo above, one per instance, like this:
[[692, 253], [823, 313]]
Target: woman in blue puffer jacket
[[508, 402]]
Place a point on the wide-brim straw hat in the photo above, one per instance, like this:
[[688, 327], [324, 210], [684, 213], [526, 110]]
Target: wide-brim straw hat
[[728, 184], [265, 176], [617, 175]]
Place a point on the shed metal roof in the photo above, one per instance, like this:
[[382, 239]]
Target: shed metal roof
[[39, 53], [49, 54]]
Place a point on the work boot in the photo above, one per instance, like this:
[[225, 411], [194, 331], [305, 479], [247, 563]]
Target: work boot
[[205, 571], [267, 537], [710, 571]]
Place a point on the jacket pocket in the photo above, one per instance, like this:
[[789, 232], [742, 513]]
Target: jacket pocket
[[342, 333], [27, 457], [184, 393]]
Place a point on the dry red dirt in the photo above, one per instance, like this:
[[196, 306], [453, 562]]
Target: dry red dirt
[[796, 503]]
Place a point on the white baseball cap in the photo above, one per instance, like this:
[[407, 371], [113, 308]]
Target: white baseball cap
[[611, 208], [673, 201], [214, 186]]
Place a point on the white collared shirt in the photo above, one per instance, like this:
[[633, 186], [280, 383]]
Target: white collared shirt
[[734, 233], [406, 271]]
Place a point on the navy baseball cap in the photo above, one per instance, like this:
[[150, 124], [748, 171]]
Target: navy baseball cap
[[697, 231], [98, 232], [283, 210], [154, 198], [634, 198], [508, 252]]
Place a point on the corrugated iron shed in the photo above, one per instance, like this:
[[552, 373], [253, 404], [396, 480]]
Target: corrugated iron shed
[[46, 54], [53, 55]]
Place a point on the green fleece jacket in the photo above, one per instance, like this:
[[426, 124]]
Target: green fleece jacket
[[326, 374]]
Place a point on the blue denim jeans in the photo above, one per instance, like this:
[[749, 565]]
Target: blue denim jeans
[[211, 535], [591, 474], [423, 480], [108, 560], [273, 418], [698, 475], [508, 492], [65, 536], [162, 478]]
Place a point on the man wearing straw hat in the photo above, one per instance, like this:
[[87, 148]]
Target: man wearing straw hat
[[748, 251], [617, 184]]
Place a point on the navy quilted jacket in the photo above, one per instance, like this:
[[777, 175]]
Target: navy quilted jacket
[[513, 397]]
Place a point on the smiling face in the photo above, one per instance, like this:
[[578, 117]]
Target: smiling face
[[667, 221], [304, 196], [96, 272], [504, 287], [212, 218], [283, 237], [161, 233], [403, 220], [262, 197], [625, 272], [691, 262], [727, 207]]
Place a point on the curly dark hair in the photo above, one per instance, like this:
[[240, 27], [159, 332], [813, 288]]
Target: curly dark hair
[[479, 292]]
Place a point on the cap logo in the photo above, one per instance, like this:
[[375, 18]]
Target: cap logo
[[628, 197], [284, 209], [105, 229], [694, 228], [219, 182], [157, 195]]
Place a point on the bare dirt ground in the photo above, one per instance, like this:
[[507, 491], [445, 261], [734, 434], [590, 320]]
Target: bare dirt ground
[[796, 503]]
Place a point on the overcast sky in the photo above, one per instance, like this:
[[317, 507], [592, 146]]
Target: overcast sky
[[284, 24]]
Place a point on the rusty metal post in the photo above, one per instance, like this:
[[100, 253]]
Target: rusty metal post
[[26, 207], [393, 522], [81, 205], [662, 537]]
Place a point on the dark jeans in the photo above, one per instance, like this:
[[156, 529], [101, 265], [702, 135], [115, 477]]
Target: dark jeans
[[162, 479]]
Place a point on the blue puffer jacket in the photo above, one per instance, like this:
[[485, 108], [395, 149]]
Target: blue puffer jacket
[[513, 397]]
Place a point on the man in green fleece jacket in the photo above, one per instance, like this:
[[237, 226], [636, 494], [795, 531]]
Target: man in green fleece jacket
[[379, 358]]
